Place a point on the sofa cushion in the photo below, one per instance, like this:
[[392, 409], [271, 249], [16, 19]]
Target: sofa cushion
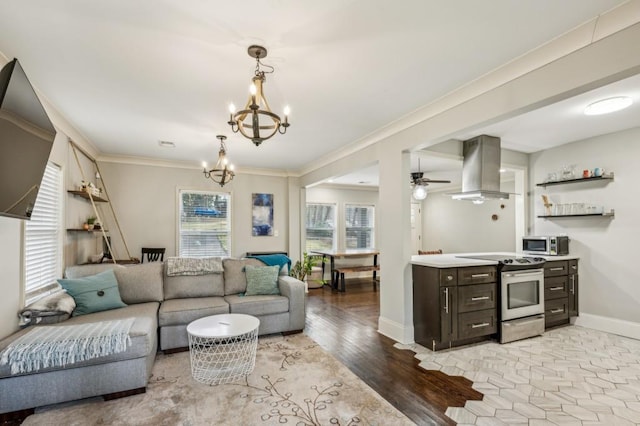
[[140, 283], [235, 280], [257, 305], [262, 280], [187, 286], [137, 283], [143, 334], [94, 293], [183, 311]]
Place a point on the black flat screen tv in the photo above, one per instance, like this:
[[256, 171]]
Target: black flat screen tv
[[26, 139]]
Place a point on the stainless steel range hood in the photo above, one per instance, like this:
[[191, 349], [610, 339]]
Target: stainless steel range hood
[[481, 170]]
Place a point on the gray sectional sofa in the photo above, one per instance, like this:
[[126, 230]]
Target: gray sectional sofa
[[162, 306]]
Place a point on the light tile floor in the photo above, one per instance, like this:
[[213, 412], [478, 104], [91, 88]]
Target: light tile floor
[[568, 376]]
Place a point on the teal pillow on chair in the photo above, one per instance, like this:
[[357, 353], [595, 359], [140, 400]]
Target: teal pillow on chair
[[94, 293], [262, 280]]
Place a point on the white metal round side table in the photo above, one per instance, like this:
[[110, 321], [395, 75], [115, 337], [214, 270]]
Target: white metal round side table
[[223, 347]]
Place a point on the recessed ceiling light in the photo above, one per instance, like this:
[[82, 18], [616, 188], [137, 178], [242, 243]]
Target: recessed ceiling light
[[166, 144], [503, 170], [608, 105]]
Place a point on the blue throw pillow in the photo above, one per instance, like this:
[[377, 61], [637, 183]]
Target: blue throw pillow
[[94, 293], [262, 280]]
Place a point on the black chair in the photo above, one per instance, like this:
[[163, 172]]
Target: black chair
[[153, 254]]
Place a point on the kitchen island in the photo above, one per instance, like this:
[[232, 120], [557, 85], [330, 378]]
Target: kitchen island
[[456, 300]]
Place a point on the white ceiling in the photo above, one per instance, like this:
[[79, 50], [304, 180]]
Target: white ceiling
[[128, 74], [557, 124]]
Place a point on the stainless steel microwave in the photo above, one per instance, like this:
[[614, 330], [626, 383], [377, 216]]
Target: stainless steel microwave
[[546, 245]]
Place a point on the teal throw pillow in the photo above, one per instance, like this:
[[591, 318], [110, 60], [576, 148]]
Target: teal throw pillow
[[262, 280], [94, 293]]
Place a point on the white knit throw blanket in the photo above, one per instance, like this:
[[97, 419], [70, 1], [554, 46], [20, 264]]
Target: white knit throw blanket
[[193, 266], [57, 346]]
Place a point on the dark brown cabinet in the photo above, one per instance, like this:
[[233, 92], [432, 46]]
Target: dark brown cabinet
[[573, 288], [560, 291], [453, 306]]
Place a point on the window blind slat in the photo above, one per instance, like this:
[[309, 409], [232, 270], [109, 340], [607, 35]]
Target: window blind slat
[[204, 224], [42, 242], [320, 226], [359, 226]]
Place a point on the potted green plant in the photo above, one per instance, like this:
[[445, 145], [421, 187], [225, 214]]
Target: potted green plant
[[91, 220], [302, 269]]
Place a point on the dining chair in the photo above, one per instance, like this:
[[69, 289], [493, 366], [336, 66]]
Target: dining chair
[[153, 254]]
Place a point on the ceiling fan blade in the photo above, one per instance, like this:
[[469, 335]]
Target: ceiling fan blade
[[436, 180]]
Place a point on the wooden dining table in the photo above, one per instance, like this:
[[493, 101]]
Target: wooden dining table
[[345, 254]]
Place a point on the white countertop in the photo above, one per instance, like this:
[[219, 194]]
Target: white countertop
[[450, 260]]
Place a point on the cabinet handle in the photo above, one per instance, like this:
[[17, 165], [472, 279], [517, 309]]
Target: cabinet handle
[[556, 288], [482, 324], [557, 311], [557, 269], [479, 298], [573, 284], [574, 267], [449, 277], [479, 275], [521, 274], [446, 300]]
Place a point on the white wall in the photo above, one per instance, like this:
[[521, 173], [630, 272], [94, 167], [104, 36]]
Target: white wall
[[461, 226], [145, 200], [609, 274], [10, 265]]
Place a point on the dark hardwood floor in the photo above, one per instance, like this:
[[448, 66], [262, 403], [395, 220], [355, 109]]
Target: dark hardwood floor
[[345, 325]]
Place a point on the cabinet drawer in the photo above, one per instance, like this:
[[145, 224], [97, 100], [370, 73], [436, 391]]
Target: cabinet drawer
[[556, 268], [556, 287], [479, 323], [556, 311], [448, 277], [477, 275], [476, 297]]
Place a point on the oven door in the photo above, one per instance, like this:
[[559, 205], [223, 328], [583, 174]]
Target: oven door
[[522, 293]]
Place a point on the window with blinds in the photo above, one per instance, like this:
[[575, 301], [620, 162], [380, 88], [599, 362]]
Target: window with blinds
[[359, 226], [204, 225], [42, 237], [320, 226]]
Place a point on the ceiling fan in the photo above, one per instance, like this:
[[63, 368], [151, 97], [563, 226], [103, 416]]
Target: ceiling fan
[[420, 182], [418, 179]]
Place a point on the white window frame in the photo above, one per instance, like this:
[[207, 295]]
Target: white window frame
[[372, 227], [42, 254], [229, 229], [336, 220]]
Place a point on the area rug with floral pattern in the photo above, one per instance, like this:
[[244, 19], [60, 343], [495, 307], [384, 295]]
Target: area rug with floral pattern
[[294, 382]]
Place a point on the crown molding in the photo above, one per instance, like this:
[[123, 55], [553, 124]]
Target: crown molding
[[178, 164], [346, 187]]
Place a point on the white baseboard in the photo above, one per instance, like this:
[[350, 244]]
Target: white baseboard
[[395, 330], [609, 325]]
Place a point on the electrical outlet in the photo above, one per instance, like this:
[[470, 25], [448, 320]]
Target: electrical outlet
[[275, 232]]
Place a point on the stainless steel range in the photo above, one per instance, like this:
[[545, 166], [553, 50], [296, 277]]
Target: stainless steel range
[[521, 295]]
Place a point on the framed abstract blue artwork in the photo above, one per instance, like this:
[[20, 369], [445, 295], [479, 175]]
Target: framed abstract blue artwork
[[262, 215]]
